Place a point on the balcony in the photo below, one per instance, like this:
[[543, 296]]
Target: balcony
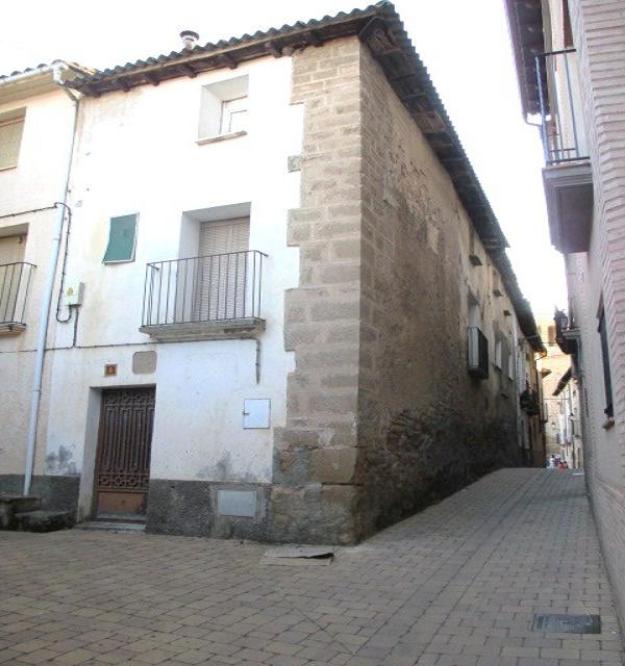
[[477, 357], [14, 284], [203, 298], [529, 403], [567, 176]]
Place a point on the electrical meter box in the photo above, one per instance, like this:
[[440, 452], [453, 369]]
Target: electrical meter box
[[74, 293]]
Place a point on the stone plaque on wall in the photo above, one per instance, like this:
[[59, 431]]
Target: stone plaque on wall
[[144, 362], [241, 503]]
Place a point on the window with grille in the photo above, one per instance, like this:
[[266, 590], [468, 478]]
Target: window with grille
[[11, 129]]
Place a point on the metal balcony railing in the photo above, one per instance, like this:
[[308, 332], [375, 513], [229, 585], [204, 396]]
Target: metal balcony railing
[[214, 288], [563, 134], [14, 284], [477, 353], [529, 403]]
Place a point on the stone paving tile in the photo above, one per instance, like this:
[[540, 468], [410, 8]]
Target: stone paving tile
[[456, 585]]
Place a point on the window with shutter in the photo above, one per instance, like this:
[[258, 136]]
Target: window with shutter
[[11, 129], [122, 239], [222, 271]]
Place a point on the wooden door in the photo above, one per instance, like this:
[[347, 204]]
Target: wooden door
[[123, 456]]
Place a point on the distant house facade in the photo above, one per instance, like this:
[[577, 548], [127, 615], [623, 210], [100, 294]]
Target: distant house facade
[[286, 311], [570, 64], [561, 404]]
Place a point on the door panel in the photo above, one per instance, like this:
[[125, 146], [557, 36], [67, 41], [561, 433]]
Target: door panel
[[123, 457]]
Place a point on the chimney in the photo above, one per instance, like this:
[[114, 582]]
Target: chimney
[[189, 39]]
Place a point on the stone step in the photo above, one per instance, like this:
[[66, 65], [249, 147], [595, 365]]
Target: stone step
[[10, 505], [111, 526], [43, 521]]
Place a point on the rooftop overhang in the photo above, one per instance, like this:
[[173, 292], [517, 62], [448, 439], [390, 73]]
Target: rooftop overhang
[[569, 193], [564, 380], [37, 80], [525, 20], [28, 84]]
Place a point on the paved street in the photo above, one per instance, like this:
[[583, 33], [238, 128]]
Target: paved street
[[458, 584]]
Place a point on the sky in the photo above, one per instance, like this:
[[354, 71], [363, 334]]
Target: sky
[[464, 45]]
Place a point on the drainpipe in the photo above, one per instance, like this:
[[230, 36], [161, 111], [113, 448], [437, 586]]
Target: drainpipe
[[44, 313]]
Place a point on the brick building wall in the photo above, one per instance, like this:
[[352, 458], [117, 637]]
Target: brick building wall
[[599, 36]]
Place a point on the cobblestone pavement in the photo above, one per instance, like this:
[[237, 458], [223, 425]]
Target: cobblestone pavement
[[457, 584]]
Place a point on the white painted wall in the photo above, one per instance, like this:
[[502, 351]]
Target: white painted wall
[[35, 183], [137, 153]]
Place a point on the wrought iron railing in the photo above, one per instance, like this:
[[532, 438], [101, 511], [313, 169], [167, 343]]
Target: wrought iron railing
[[218, 287], [477, 353], [529, 403], [562, 129], [14, 285]]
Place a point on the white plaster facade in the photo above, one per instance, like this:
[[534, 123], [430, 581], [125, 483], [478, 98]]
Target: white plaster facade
[[27, 196], [137, 152], [146, 151]]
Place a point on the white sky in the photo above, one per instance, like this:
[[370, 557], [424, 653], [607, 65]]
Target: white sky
[[464, 45]]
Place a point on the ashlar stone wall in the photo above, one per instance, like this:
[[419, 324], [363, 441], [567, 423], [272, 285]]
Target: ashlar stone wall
[[382, 415], [314, 497]]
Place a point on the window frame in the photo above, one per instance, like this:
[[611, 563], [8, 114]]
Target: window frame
[[228, 112], [13, 117]]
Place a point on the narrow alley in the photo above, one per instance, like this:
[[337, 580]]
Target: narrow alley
[[458, 584]]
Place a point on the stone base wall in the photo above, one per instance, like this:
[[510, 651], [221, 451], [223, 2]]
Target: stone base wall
[[311, 513], [57, 493]]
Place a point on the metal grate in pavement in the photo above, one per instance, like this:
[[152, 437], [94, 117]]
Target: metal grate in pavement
[[567, 624]]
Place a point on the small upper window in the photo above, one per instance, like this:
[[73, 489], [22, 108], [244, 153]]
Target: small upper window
[[122, 239], [498, 353], [234, 115], [224, 108], [11, 128]]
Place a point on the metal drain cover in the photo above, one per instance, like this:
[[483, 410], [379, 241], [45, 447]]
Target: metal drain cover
[[567, 624]]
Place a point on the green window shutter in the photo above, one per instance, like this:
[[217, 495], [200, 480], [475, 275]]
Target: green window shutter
[[122, 238]]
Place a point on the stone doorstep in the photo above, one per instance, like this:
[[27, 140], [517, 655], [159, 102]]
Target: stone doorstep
[[112, 526], [10, 505], [43, 521]]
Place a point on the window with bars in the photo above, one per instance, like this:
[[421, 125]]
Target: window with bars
[[11, 129]]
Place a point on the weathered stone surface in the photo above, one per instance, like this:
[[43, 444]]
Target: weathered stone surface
[[13, 504], [57, 493], [314, 514], [43, 521], [190, 508], [333, 465], [378, 322], [423, 426]]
